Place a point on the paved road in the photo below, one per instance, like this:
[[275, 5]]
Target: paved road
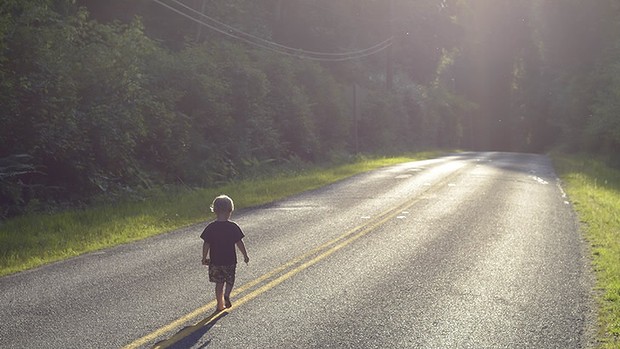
[[474, 250]]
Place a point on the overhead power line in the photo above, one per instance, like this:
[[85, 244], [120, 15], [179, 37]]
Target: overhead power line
[[267, 42], [273, 46]]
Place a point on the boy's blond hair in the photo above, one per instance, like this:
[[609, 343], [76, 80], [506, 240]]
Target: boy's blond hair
[[222, 203]]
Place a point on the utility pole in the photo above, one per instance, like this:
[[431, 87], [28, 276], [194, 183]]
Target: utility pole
[[199, 27], [279, 11], [389, 71], [356, 116]]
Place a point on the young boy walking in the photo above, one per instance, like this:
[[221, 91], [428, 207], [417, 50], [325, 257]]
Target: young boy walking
[[218, 250]]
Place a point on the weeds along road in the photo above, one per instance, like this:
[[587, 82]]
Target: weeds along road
[[474, 250]]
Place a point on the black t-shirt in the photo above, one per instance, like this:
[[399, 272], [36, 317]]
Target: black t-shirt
[[222, 237]]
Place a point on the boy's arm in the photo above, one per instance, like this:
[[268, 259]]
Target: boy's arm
[[241, 247], [205, 253]]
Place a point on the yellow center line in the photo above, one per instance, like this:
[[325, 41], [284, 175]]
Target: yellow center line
[[323, 251], [209, 306], [188, 331]]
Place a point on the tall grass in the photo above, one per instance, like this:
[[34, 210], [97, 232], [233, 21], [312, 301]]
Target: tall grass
[[36, 239], [594, 189]]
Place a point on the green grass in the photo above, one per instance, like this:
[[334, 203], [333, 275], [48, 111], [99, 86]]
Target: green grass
[[594, 189], [36, 239]]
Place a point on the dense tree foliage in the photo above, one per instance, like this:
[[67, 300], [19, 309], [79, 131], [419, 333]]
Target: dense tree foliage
[[106, 96]]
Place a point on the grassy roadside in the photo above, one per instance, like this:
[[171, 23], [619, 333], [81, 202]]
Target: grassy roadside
[[33, 240], [594, 189]]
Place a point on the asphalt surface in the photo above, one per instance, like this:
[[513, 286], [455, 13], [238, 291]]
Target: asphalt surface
[[473, 250]]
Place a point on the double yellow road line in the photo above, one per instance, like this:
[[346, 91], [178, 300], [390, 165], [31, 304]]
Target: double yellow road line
[[274, 278], [265, 282]]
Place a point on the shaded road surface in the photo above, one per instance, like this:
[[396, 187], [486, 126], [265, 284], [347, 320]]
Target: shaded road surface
[[474, 250]]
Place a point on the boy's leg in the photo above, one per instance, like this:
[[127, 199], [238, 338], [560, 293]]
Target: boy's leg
[[228, 290], [230, 282], [219, 295], [229, 287]]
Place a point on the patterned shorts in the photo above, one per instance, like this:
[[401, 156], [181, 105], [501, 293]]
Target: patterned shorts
[[222, 273]]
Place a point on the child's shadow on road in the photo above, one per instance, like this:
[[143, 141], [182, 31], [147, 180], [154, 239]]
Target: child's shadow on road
[[196, 332]]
